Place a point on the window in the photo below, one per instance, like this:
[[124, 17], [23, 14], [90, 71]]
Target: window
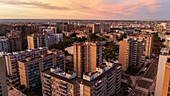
[[168, 94]]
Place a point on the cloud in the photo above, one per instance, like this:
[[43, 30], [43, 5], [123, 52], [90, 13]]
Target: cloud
[[35, 4], [92, 9], [113, 8]]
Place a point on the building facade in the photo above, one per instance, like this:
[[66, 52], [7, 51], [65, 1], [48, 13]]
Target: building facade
[[4, 44], [163, 74], [36, 41], [14, 43], [31, 68], [55, 38], [105, 81], [86, 57], [130, 52], [96, 28], [3, 84], [106, 27], [11, 60], [147, 43]]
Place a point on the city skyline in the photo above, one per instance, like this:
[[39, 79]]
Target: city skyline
[[88, 9]]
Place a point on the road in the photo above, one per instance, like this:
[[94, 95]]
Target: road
[[152, 71], [144, 84], [12, 91], [150, 75], [137, 92]]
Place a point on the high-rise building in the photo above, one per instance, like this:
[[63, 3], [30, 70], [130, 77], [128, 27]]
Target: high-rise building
[[37, 40], [147, 43], [64, 26], [87, 56], [4, 44], [163, 74], [54, 30], [14, 43], [11, 60], [100, 28], [31, 68], [167, 42], [47, 31], [96, 28], [106, 27], [3, 84], [55, 38], [104, 81], [130, 52]]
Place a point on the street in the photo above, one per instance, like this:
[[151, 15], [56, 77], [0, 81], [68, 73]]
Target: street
[[137, 92], [144, 84], [152, 71]]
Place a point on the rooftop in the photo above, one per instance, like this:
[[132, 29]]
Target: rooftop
[[80, 80], [165, 51]]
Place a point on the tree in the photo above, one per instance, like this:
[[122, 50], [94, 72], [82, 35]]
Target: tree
[[129, 81], [22, 87], [111, 51], [73, 35], [132, 70], [156, 38], [24, 43], [156, 49], [33, 31], [83, 39], [1, 34], [110, 56], [26, 91], [62, 44]]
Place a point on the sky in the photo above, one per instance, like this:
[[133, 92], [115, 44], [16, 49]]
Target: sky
[[86, 9]]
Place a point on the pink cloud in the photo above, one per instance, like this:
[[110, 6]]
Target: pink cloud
[[90, 8]]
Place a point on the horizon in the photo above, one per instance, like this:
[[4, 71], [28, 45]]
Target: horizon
[[90, 19]]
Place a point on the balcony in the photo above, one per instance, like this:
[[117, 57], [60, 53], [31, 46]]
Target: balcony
[[99, 92], [62, 88], [64, 84], [98, 85]]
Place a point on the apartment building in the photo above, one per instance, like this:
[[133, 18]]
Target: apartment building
[[167, 42], [31, 68], [87, 56], [14, 43], [130, 52], [55, 38], [3, 84], [105, 27], [163, 74], [4, 44], [37, 40], [64, 26], [11, 60], [96, 28], [105, 81], [147, 43], [47, 31], [50, 30]]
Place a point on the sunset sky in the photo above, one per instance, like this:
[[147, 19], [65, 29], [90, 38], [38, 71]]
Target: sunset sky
[[86, 9]]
